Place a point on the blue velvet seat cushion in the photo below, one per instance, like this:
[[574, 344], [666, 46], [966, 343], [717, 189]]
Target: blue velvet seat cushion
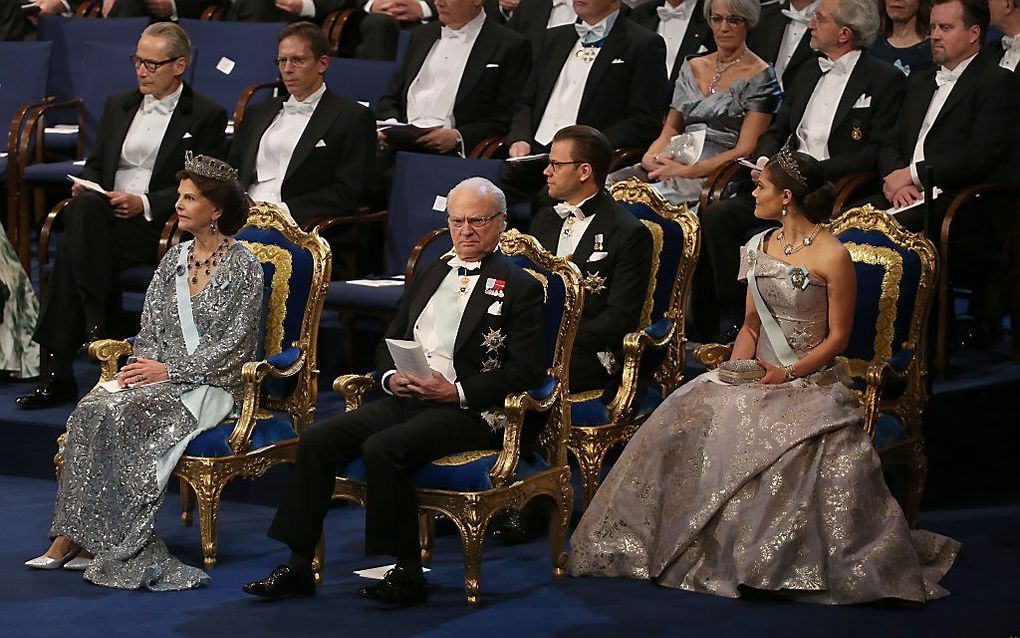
[[465, 472], [213, 443], [51, 172], [888, 431], [345, 295], [593, 412], [659, 329]]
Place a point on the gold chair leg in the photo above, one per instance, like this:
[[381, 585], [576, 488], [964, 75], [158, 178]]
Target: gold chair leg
[[187, 504], [208, 497], [426, 533], [319, 558], [589, 455], [472, 534], [559, 525]]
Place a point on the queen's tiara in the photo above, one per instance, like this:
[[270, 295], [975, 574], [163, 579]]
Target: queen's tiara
[[788, 163], [209, 167]]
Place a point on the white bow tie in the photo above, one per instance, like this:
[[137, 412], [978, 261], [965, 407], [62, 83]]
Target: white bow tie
[[944, 76], [298, 108], [152, 105], [596, 32], [668, 12], [802, 17], [446, 33], [826, 65], [565, 210], [1009, 41], [457, 262]]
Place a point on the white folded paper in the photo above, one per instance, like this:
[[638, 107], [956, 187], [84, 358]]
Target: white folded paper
[[113, 386], [378, 573], [528, 158], [408, 357], [88, 184], [935, 192], [376, 283]]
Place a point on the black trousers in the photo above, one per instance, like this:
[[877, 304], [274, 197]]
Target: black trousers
[[725, 226], [13, 24], [394, 437], [96, 245]]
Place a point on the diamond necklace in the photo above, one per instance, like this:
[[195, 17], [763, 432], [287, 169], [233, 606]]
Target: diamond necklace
[[789, 249], [720, 70]]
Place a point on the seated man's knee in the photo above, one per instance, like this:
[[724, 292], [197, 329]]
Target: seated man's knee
[[379, 449]]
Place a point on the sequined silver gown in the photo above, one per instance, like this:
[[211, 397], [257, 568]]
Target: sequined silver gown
[[108, 495], [768, 487]]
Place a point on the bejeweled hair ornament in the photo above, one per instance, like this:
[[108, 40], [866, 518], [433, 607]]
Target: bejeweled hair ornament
[[209, 167], [787, 162]]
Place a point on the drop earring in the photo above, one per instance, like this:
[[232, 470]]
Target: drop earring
[[784, 211], [213, 225]]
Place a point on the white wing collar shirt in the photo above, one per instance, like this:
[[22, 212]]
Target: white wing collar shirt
[[277, 146], [437, 326], [792, 35], [432, 93], [816, 123], [1011, 52], [565, 100], [575, 223], [141, 145], [673, 23], [945, 80]]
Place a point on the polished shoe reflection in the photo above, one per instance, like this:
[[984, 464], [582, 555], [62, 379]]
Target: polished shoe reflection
[[51, 392], [400, 586], [284, 582]]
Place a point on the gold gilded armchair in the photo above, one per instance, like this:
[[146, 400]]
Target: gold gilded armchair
[[279, 390], [472, 487], [896, 274], [596, 427]]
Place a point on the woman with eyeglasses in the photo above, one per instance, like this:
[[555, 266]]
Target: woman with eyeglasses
[[721, 103], [904, 39]]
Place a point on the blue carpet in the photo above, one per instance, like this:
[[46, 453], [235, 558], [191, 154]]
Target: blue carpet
[[519, 597]]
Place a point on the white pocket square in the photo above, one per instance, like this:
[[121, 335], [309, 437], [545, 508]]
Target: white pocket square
[[598, 256], [862, 102], [617, 61], [491, 66], [320, 143], [496, 308], [187, 136], [702, 49]]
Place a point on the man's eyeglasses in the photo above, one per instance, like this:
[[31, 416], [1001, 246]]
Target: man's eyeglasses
[[151, 65], [473, 222], [733, 21], [296, 61], [556, 164]]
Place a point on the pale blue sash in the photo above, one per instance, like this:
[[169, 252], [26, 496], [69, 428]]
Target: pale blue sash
[[208, 404], [773, 332]]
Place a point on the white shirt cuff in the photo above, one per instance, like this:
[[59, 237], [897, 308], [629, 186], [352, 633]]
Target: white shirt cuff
[[506, 14], [460, 393], [913, 175], [367, 7], [67, 6], [386, 375], [763, 157], [173, 10], [426, 10], [146, 208], [307, 9]]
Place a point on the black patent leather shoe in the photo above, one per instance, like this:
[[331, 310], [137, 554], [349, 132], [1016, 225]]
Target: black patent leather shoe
[[398, 587], [521, 526], [50, 392], [284, 582]]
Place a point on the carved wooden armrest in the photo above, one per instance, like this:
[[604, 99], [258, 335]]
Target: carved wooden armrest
[[213, 13], [486, 148], [108, 353], [322, 224], [514, 408], [716, 183], [711, 355], [253, 373], [169, 237], [875, 380], [623, 157], [32, 129], [419, 248], [634, 345], [242, 102], [353, 387]]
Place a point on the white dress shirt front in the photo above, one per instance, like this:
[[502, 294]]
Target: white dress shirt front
[[431, 95], [141, 145], [938, 100], [816, 123], [795, 30], [673, 23], [277, 146], [1011, 52], [562, 13], [575, 223]]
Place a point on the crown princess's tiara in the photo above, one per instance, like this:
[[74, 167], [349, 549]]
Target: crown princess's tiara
[[788, 163], [209, 167]]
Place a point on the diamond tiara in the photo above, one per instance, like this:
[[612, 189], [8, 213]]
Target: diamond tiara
[[788, 163], [209, 167]]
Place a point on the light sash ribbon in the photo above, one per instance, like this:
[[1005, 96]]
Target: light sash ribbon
[[774, 333]]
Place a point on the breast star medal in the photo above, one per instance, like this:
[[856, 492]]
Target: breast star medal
[[490, 364], [587, 54], [856, 134], [493, 340], [593, 283]]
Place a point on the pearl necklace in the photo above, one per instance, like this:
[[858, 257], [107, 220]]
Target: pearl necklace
[[789, 249], [720, 70]]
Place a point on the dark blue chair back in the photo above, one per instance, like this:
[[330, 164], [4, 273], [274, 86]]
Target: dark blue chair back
[[417, 180], [105, 70], [363, 81], [250, 47], [403, 40], [69, 37], [555, 298], [22, 76]]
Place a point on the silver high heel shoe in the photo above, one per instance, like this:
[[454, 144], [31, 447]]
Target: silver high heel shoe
[[45, 562], [78, 563]]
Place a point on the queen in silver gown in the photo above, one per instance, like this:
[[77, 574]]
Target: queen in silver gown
[[199, 326], [770, 486]]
